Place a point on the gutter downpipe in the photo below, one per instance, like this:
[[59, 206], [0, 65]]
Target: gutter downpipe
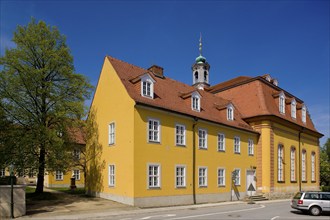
[[194, 160]]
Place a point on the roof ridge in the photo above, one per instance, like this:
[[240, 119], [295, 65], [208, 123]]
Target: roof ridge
[[111, 57]]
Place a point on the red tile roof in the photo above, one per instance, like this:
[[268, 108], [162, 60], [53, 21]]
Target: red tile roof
[[258, 97], [173, 96]]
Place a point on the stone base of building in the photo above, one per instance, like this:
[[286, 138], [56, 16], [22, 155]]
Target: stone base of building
[[63, 185], [174, 200]]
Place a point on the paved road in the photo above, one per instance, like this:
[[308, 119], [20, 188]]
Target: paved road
[[263, 211]]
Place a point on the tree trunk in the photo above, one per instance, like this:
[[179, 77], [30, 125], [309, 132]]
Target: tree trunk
[[41, 170]]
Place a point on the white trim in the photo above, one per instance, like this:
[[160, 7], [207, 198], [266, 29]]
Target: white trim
[[74, 175], [60, 174], [250, 147], [196, 101], [238, 145], [224, 177], [204, 184], [223, 142], [230, 112], [158, 176], [281, 101], [239, 176], [111, 175], [176, 135], [202, 142], [153, 140], [112, 133], [294, 109], [147, 80], [184, 176], [303, 114]]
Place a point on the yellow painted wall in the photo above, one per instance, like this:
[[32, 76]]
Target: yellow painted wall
[[52, 182], [112, 104], [167, 154]]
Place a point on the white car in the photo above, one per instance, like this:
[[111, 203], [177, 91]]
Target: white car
[[313, 202]]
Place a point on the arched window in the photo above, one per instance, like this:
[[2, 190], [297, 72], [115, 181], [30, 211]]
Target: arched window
[[280, 160], [303, 165], [195, 101], [303, 114], [230, 112], [313, 166], [147, 86], [293, 164]]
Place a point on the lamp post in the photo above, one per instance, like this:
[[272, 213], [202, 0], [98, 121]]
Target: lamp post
[[11, 169]]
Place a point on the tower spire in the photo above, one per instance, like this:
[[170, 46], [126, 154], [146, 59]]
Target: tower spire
[[200, 69]]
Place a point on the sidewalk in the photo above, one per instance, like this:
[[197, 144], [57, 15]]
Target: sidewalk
[[80, 207]]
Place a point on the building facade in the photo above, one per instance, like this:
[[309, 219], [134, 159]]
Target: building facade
[[164, 142]]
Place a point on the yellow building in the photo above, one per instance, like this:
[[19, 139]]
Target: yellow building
[[164, 142]]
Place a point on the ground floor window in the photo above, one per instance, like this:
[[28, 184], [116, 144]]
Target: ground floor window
[[76, 174], [58, 175], [202, 177], [111, 175], [180, 176], [221, 177], [153, 176], [2, 172]]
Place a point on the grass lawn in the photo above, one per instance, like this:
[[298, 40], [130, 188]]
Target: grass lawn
[[32, 196]]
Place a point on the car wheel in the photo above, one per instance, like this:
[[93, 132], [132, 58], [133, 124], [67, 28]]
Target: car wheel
[[314, 210]]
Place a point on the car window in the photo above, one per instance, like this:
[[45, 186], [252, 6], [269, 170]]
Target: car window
[[297, 196], [325, 196], [311, 196]]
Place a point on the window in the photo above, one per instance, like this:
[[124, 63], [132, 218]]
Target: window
[[180, 135], [280, 161], [154, 176], [237, 177], [230, 112], [76, 174], [221, 177], [293, 109], [195, 101], [202, 138], [58, 175], [180, 176], [282, 103], [76, 154], [237, 148], [111, 175], [112, 133], [313, 166], [153, 130], [303, 165], [147, 86], [303, 114], [250, 147], [2, 172], [221, 142], [293, 164], [202, 177]]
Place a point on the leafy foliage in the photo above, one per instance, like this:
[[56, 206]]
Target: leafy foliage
[[40, 96], [325, 165]]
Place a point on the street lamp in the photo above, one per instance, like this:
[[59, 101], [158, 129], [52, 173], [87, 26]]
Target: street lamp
[[11, 170]]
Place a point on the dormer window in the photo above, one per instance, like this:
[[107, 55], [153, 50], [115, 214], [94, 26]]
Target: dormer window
[[303, 114], [147, 86], [196, 101], [293, 109], [282, 103], [230, 112]]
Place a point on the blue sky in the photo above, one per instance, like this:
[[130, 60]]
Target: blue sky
[[287, 39]]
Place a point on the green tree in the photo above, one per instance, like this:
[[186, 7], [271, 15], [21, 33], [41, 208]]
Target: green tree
[[327, 148], [325, 165], [41, 96]]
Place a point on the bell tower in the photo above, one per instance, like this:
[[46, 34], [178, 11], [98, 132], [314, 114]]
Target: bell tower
[[200, 70]]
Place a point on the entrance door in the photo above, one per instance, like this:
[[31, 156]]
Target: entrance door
[[251, 183]]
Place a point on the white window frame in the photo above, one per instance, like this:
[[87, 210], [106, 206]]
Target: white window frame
[[76, 174], [293, 164], [237, 180], [58, 175], [153, 127], [153, 179], [221, 178], [180, 135], [147, 86], [111, 175], [313, 166], [196, 102], [250, 147], [294, 109], [237, 145], [202, 138], [2, 172], [221, 142], [303, 114], [202, 176], [280, 159], [180, 176], [303, 165], [282, 103], [230, 112], [112, 133]]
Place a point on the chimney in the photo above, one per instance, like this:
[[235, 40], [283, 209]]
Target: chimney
[[157, 70]]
